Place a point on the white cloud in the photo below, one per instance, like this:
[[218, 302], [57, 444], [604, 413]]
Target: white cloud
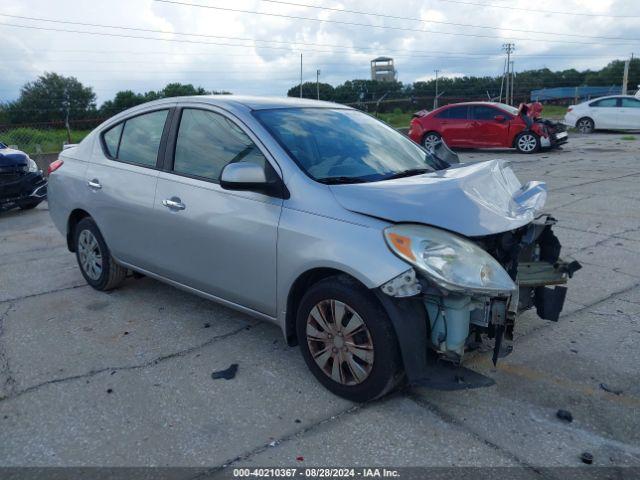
[[109, 64]]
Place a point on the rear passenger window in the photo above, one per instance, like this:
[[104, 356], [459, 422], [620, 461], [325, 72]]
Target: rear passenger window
[[208, 141], [141, 138], [607, 102], [112, 139], [454, 113]]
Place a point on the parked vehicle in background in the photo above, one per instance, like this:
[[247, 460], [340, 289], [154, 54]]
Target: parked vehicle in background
[[22, 184], [615, 112], [486, 125], [362, 247]]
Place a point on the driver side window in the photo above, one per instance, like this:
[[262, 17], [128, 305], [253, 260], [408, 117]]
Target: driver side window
[[208, 141]]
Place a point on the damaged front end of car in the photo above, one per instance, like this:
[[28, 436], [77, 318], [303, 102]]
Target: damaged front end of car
[[22, 183], [469, 291]]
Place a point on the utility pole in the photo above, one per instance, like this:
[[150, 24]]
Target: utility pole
[[504, 72], [508, 48], [625, 76], [318, 83], [300, 75], [435, 99], [513, 81]]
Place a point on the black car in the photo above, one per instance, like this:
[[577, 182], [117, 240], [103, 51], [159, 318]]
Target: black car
[[22, 183]]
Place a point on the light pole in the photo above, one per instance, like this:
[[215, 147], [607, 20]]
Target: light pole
[[435, 99], [318, 83]]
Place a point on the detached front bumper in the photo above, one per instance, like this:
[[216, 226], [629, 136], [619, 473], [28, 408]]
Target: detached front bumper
[[436, 328], [22, 189]]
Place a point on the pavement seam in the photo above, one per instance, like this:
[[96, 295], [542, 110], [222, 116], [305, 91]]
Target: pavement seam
[[149, 363], [287, 438], [450, 419]]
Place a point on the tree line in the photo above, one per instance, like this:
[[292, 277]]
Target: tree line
[[471, 87], [54, 98]]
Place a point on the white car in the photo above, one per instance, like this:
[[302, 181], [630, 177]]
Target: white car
[[616, 112]]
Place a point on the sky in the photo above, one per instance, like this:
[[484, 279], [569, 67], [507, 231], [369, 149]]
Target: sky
[[253, 47]]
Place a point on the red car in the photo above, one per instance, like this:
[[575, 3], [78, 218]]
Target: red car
[[487, 125]]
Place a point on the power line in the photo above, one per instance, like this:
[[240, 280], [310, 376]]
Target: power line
[[416, 19], [386, 27], [553, 12]]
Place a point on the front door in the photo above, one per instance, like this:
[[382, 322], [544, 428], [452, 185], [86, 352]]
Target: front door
[[214, 240], [486, 131]]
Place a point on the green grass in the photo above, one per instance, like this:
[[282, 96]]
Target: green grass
[[628, 137], [34, 141], [396, 119], [554, 112]]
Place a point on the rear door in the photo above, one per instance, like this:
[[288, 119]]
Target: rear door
[[485, 130], [455, 126], [630, 114], [217, 241], [606, 112], [122, 184]]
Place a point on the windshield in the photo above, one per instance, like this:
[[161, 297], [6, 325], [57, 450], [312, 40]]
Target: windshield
[[508, 108], [344, 146]]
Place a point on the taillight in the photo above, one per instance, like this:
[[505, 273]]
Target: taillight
[[569, 109], [54, 166]]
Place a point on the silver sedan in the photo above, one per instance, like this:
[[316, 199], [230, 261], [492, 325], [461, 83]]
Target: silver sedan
[[378, 258]]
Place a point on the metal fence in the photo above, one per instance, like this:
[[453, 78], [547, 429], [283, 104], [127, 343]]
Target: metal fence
[[45, 138]]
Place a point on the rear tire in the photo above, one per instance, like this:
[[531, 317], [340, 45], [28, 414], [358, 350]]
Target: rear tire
[[585, 125], [430, 139], [527, 142], [96, 264], [356, 357]]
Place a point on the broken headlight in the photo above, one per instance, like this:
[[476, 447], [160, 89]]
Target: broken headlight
[[450, 261], [31, 165]]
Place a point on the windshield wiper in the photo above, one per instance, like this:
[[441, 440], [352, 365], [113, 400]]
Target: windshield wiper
[[408, 173], [339, 180]]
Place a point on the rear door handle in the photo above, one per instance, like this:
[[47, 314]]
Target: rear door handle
[[174, 203], [95, 184]]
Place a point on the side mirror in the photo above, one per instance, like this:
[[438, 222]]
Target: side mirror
[[251, 177], [499, 118]]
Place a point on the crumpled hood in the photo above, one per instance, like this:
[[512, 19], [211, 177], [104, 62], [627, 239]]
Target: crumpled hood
[[12, 158], [472, 200]]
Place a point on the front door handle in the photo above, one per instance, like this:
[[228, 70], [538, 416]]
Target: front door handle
[[95, 184], [174, 203]]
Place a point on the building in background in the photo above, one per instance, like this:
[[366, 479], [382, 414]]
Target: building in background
[[382, 69]]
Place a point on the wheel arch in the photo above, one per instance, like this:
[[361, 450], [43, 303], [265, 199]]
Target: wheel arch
[[74, 218], [298, 288]]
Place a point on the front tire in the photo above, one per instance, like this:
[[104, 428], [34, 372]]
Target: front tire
[[527, 142], [347, 340], [585, 125], [96, 264]]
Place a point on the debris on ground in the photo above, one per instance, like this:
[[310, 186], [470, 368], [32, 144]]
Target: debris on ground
[[300, 458], [564, 415], [227, 374], [207, 325], [587, 458], [109, 390], [607, 388]]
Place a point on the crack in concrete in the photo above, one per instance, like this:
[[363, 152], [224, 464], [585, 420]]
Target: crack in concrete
[[149, 363], [55, 290], [7, 381]]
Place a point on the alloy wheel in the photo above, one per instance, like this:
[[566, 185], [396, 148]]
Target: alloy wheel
[[340, 342], [89, 254], [584, 126], [527, 143], [430, 142]]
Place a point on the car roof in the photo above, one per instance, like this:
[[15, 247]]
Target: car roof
[[610, 96], [248, 102]]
